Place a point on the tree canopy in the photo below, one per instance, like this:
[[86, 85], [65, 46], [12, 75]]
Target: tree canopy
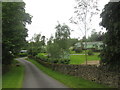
[[111, 21], [59, 46], [62, 35], [14, 19], [36, 45], [96, 36]]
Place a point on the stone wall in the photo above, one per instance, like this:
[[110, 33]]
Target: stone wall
[[89, 72]]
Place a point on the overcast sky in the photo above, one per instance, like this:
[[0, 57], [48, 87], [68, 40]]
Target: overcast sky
[[46, 13]]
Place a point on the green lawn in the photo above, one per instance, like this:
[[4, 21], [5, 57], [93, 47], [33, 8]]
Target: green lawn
[[73, 52], [79, 59], [70, 81], [83, 52], [13, 78]]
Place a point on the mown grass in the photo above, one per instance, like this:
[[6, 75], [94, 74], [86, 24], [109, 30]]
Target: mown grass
[[70, 81], [13, 78], [83, 52], [79, 59]]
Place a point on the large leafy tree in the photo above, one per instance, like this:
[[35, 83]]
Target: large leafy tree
[[111, 21], [62, 35], [72, 41], [43, 40], [59, 46], [14, 19], [36, 45], [96, 36]]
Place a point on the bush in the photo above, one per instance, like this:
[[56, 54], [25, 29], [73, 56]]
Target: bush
[[44, 57], [41, 56], [33, 51], [30, 56], [78, 50], [90, 52], [64, 61], [58, 61], [22, 54], [53, 60]]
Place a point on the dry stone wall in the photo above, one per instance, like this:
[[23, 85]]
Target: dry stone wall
[[89, 72]]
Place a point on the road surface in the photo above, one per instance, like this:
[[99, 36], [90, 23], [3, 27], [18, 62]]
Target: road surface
[[35, 78]]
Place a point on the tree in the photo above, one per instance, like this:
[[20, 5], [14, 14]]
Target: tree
[[110, 55], [50, 40], [36, 45], [84, 39], [54, 50], [59, 46], [84, 11], [72, 41], [14, 19], [36, 38], [62, 35], [43, 40], [96, 36]]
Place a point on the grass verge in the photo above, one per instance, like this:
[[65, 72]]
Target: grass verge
[[70, 81], [13, 78]]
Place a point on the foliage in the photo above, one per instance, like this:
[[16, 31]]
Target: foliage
[[59, 61], [22, 54], [59, 47], [96, 36], [62, 32], [90, 52], [45, 58], [54, 50], [78, 50], [14, 19], [42, 57], [110, 20], [62, 35], [33, 50], [36, 45], [72, 41], [43, 40], [50, 41]]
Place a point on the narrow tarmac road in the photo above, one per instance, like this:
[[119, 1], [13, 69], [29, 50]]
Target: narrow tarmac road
[[35, 78]]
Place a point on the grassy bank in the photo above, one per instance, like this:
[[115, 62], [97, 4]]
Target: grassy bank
[[70, 81], [13, 78], [79, 59]]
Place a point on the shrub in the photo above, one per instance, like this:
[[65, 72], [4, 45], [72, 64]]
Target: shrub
[[78, 50], [64, 61], [67, 61], [90, 52], [53, 60], [22, 54], [58, 61], [41, 56], [33, 51], [54, 50], [44, 57]]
